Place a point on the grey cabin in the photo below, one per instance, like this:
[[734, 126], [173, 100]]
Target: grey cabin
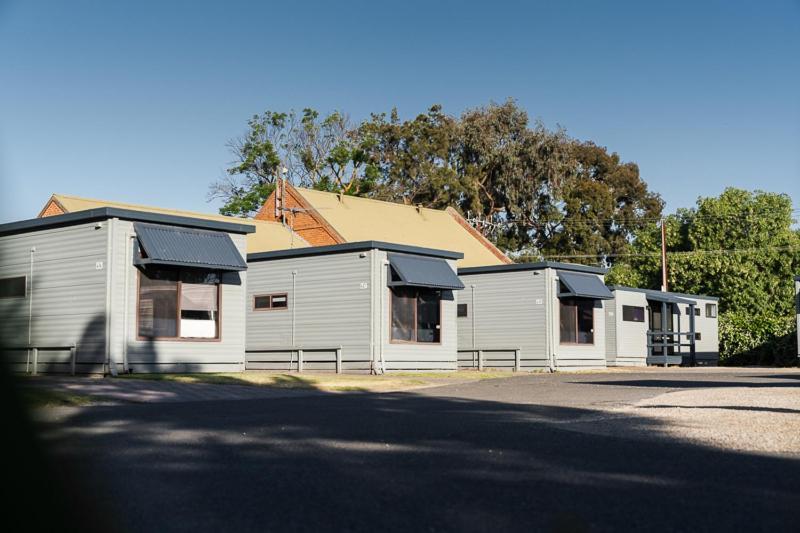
[[356, 307], [113, 290], [636, 319], [797, 309], [530, 316]]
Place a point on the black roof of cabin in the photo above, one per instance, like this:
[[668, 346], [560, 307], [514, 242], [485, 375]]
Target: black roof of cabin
[[541, 265], [360, 246], [105, 213]]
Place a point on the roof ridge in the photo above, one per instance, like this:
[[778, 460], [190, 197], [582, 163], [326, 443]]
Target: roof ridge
[[188, 212], [412, 206]]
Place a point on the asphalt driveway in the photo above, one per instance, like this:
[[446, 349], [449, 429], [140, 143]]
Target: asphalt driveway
[[562, 452]]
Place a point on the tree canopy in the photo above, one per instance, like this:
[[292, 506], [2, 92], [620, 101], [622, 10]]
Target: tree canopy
[[533, 191], [311, 151], [739, 246]]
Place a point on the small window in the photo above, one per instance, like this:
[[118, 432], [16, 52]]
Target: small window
[[711, 310], [697, 336], [461, 310], [13, 287], [265, 302], [696, 311], [632, 313]]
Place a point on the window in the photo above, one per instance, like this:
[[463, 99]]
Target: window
[[416, 315], [265, 302], [632, 313], [577, 321], [13, 287], [697, 336], [711, 310], [696, 311], [178, 304], [461, 310]]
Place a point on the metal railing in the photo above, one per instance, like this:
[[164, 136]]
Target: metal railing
[[300, 351], [671, 339], [32, 356], [481, 362]]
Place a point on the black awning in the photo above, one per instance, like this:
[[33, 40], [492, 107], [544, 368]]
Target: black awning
[[668, 297], [188, 247], [584, 286], [419, 271]]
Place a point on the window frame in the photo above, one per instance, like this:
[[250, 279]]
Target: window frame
[[711, 306], [271, 295], [417, 290], [644, 313], [576, 307], [24, 287], [178, 338]]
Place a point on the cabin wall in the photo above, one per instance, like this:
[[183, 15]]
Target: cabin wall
[[505, 311], [65, 298], [128, 352], [331, 304], [797, 310], [399, 356], [630, 338], [578, 356]]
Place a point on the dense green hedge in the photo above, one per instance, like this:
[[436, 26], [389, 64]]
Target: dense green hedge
[[766, 339]]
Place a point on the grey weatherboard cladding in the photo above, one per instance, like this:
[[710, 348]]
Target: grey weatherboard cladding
[[584, 286], [169, 245], [414, 271]]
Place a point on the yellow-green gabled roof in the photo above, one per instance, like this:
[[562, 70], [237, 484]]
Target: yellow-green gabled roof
[[363, 219], [268, 236]]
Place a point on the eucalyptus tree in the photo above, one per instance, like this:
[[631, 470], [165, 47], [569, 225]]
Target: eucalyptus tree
[[306, 149]]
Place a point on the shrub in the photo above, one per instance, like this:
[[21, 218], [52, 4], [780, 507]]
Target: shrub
[[765, 339]]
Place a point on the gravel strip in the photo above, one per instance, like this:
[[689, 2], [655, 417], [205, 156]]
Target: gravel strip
[[747, 419]]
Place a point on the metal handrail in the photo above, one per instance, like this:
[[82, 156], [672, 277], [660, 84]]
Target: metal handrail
[[299, 350], [667, 341], [480, 351], [34, 350]]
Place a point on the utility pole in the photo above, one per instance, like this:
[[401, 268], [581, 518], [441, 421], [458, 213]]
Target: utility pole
[[664, 287]]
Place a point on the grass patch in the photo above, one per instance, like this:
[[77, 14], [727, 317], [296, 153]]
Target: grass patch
[[38, 397], [326, 381]]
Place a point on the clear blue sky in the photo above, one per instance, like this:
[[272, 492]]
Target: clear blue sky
[[135, 102]]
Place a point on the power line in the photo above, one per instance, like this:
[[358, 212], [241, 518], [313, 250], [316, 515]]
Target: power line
[[573, 220], [677, 253]]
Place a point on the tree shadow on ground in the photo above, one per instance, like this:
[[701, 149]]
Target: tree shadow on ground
[[726, 408], [691, 384], [406, 462], [277, 380], [779, 376]]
